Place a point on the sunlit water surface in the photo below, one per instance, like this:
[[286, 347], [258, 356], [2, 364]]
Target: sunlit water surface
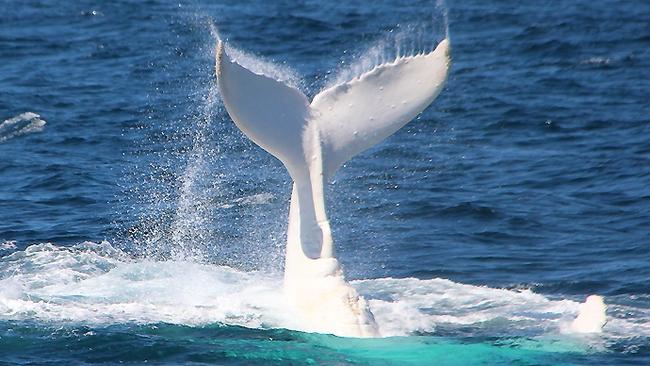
[[138, 224]]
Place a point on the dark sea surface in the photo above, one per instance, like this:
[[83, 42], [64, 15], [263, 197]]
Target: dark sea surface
[[137, 223]]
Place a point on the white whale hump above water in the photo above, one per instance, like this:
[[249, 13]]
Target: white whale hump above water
[[591, 316], [313, 139]]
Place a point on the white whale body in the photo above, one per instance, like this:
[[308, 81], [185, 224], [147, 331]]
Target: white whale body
[[313, 139]]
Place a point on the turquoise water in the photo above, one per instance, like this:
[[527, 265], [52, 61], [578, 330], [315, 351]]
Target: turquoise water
[[231, 345], [137, 224]]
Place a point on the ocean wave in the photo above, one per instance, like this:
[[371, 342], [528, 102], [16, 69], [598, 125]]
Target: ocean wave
[[98, 284]]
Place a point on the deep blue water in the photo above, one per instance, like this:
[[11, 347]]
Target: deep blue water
[[529, 173]]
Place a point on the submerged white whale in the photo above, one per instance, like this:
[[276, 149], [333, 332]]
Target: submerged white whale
[[313, 140]]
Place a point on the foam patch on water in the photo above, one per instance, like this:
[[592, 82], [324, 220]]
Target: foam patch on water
[[8, 245], [21, 124], [97, 284]]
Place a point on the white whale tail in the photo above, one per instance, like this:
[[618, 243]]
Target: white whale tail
[[313, 140]]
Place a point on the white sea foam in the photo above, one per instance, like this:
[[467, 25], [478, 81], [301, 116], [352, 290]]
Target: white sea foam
[[403, 40], [21, 124], [96, 284]]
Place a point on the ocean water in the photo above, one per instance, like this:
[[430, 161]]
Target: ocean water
[[137, 224]]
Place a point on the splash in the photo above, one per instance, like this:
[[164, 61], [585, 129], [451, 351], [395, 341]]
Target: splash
[[400, 41], [186, 206], [192, 215], [97, 284], [172, 195], [265, 67]]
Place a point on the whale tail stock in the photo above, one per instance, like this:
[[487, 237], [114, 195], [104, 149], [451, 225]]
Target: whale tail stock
[[313, 139]]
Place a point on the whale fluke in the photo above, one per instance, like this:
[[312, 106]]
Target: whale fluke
[[313, 140], [358, 114]]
